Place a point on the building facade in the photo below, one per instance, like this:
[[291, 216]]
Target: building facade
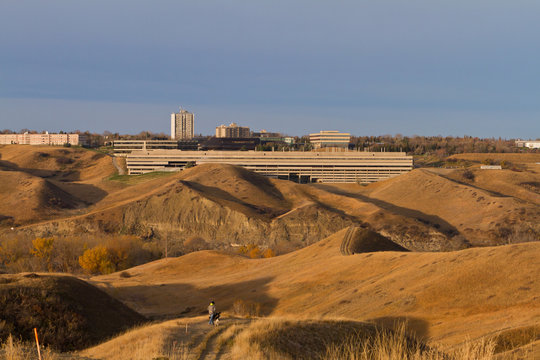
[[330, 138], [531, 144], [232, 131], [300, 166], [43, 139], [182, 125], [124, 147]]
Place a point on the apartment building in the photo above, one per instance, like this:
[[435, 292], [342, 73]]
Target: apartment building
[[182, 125], [43, 139], [232, 131]]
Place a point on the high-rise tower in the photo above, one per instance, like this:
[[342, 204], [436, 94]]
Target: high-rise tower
[[182, 125]]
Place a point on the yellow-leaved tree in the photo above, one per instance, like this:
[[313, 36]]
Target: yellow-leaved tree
[[97, 260], [43, 249]]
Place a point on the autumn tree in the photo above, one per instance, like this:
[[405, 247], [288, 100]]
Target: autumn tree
[[43, 249], [97, 260]]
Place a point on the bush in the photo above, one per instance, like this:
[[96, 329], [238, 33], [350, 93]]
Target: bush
[[195, 243], [125, 275], [64, 161], [268, 253], [468, 174]]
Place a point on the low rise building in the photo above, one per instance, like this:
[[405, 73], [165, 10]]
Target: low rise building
[[124, 147], [531, 144], [43, 139], [330, 138], [300, 166]]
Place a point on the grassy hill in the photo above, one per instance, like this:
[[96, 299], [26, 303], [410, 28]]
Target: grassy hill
[[68, 313], [444, 296], [71, 191]]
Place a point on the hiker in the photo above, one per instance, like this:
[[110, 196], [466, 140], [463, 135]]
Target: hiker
[[212, 312]]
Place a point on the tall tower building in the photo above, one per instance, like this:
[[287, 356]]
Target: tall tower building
[[182, 125]]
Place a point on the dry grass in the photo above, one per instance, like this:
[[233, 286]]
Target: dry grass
[[273, 339], [397, 345], [16, 350]]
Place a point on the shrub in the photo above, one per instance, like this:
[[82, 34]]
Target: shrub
[[64, 160], [468, 174], [125, 274], [254, 253], [268, 253], [195, 243]]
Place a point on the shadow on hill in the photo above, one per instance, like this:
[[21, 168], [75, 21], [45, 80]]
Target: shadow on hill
[[85, 193], [413, 326], [216, 194], [431, 220], [166, 301], [358, 240], [68, 312]]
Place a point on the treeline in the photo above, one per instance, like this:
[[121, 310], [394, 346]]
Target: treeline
[[75, 254], [105, 254], [435, 145], [414, 145]]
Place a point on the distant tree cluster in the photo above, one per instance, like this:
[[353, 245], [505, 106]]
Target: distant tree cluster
[[75, 255], [434, 145], [253, 251]]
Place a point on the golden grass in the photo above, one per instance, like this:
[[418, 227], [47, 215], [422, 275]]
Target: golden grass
[[138, 179], [13, 349], [259, 341]]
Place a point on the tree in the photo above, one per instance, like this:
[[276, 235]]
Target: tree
[[43, 249], [97, 260]]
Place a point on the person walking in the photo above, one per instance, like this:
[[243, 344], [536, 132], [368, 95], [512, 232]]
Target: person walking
[[212, 312]]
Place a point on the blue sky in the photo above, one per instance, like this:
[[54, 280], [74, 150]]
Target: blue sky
[[368, 67]]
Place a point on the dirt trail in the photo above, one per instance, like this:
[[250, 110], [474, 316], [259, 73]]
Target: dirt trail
[[118, 167]]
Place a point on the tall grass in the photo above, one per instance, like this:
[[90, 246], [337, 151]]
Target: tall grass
[[17, 350], [396, 345], [256, 343]]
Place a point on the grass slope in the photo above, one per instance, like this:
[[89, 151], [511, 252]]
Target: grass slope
[[444, 296]]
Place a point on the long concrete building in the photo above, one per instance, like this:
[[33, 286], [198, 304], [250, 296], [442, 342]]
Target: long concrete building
[[304, 167], [124, 147], [43, 139]]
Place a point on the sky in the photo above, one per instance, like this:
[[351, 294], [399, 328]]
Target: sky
[[416, 67]]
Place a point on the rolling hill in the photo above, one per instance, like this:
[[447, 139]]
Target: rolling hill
[[444, 297], [424, 210]]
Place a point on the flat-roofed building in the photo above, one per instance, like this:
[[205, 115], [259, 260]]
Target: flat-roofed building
[[330, 138], [124, 147], [232, 131], [182, 125], [308, 166], [531, 144], [43, 139]]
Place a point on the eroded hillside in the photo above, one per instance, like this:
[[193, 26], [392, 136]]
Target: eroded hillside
[[423, 210]]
